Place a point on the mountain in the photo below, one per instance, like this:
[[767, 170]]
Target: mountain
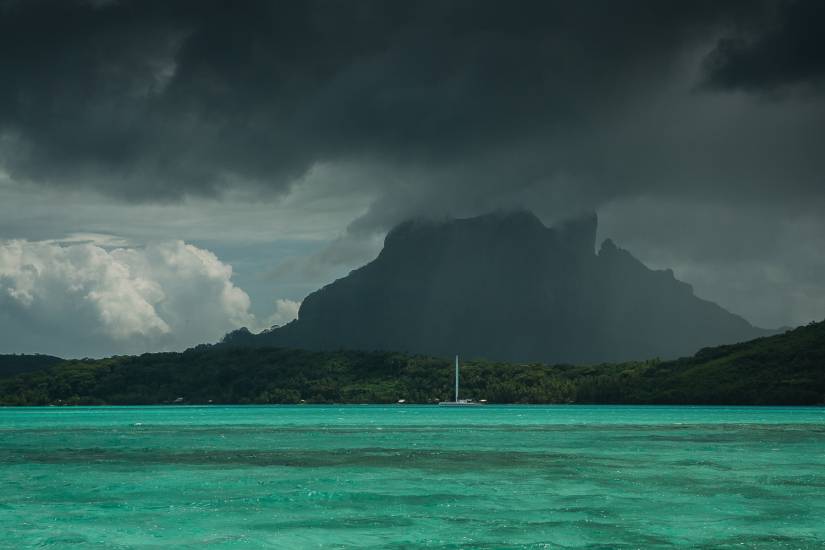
[[786, 369], [504, 286]]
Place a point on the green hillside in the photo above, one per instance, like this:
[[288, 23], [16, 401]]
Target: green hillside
[[787, 369], [11, 365]]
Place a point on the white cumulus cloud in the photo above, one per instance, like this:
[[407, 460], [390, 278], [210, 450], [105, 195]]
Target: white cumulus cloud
[[285, 311], [75, 299]]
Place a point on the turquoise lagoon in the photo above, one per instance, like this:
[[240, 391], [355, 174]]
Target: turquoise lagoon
[[412, 477]]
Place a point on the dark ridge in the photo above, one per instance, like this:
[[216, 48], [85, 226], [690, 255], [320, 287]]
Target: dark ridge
[[12, 365]]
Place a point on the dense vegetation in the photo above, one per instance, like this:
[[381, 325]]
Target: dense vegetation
[[11, 365], [784, 369]]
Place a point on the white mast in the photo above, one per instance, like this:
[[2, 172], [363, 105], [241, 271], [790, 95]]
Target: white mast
[[456, 378]]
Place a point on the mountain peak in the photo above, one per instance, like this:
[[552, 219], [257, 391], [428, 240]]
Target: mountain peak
[[513, 226], [506, 286]]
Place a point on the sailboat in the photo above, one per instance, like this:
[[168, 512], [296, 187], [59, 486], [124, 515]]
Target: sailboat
[[458, 402]]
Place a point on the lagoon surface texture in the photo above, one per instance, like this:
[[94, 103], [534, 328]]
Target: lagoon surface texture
[[410, 476]]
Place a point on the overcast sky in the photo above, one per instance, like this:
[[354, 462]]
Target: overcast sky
[[171, 170]]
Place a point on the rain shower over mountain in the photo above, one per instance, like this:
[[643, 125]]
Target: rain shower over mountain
[[504, 286]]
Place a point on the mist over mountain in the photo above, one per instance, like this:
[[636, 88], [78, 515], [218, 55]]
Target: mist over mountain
[[504, 286]]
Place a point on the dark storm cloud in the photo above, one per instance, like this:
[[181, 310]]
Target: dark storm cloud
[[786, 47], [696, 126], [150, 99]]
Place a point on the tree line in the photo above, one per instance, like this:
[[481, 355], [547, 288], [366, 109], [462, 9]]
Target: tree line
[[787, 369]]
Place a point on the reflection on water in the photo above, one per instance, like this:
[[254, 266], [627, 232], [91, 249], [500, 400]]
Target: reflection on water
[[531, 477]]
